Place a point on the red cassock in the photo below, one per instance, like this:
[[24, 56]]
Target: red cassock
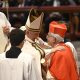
[[63, 66]]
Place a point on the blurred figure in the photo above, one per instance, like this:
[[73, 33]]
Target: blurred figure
[[5, 28], [4, 3]]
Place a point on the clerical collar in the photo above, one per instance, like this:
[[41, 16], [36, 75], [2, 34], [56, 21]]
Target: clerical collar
[[13, 52]]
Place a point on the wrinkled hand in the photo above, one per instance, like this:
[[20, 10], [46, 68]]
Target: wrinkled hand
[[6, 30]]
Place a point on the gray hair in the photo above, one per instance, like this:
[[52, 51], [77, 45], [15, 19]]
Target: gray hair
[[58, 37]]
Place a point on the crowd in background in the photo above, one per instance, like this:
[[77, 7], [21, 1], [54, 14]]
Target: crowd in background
[[19, 19], [13, 3]]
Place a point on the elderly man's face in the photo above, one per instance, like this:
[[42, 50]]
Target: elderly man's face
[[51, 40], [32, 35]]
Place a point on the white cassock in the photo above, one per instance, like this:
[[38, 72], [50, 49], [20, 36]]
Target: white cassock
[[28, 48], [3, 38], [22, 68]]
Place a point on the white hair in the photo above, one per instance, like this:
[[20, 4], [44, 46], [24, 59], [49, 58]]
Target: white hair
[[58, 37]]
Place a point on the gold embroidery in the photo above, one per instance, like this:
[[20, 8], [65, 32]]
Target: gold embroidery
[[41, 51]]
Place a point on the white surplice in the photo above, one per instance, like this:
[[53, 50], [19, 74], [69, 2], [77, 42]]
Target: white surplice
[[3, 37], [22, 68]]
